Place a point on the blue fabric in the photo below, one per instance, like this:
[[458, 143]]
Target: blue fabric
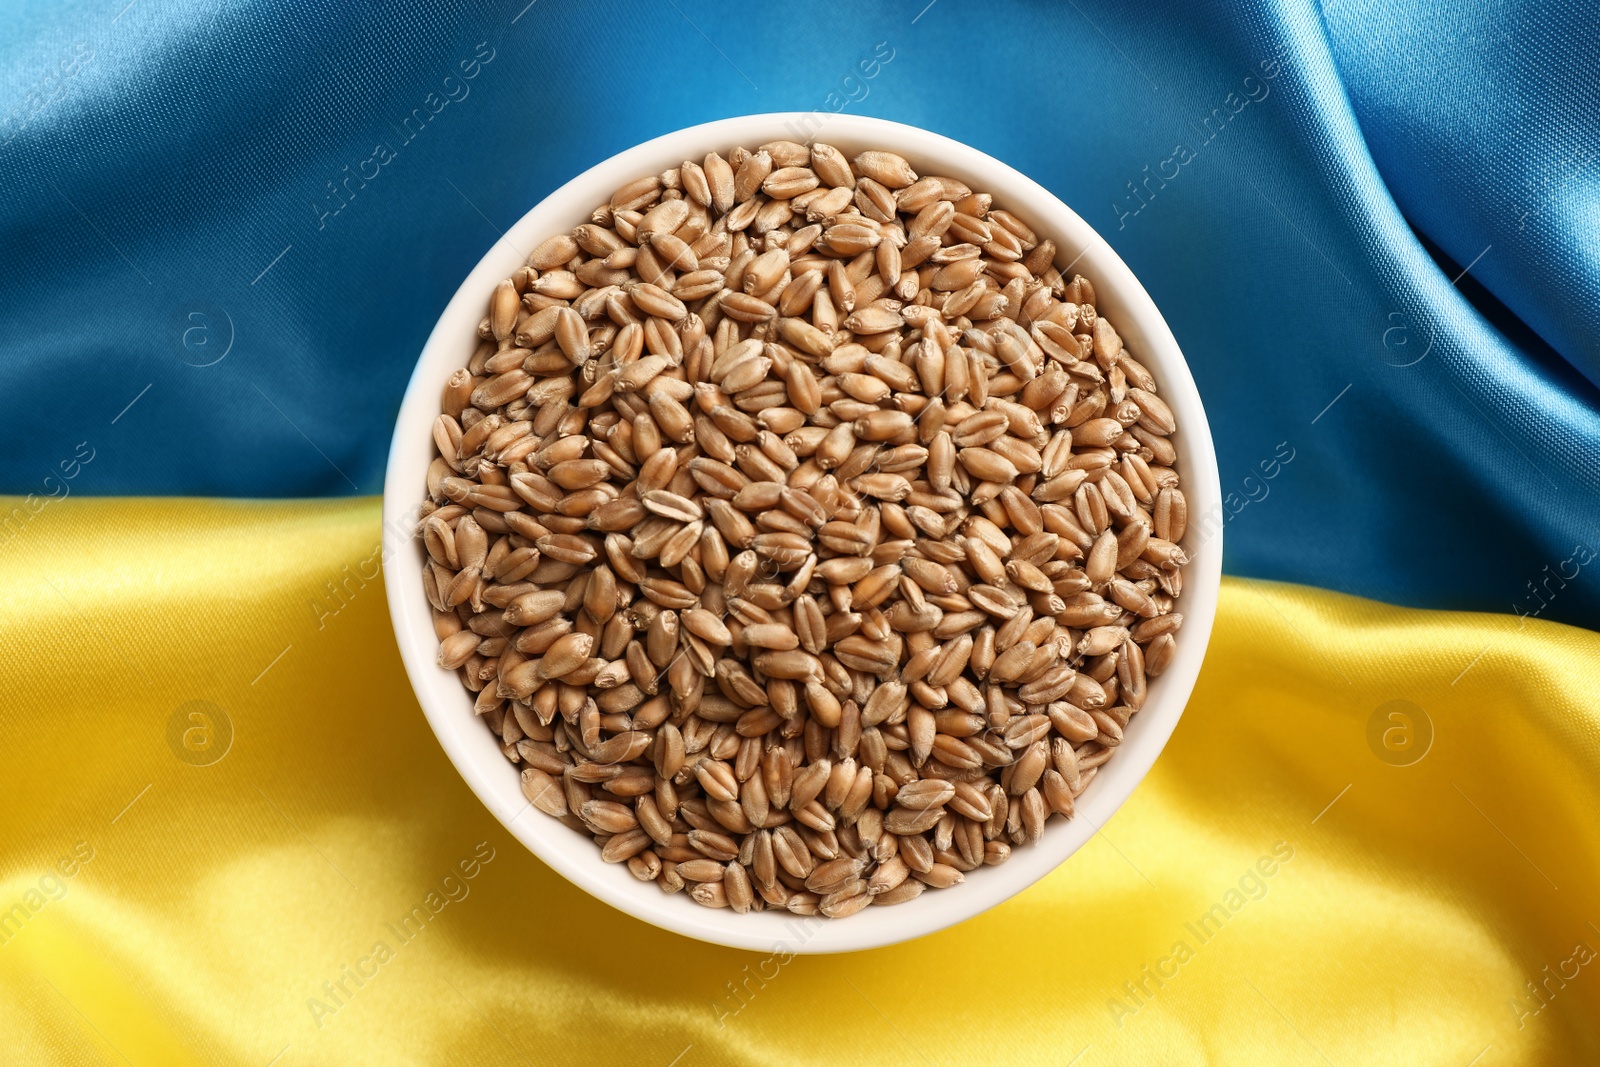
[[180, 230], [1496, 163]]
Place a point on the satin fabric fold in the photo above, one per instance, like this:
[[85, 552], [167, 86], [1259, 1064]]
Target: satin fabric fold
[[204, 698], [1504, 181], [226, 231]]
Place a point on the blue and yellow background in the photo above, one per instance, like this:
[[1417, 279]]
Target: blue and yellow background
[[226, 230]]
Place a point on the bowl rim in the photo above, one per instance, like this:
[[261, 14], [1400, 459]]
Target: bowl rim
[[477, 757]]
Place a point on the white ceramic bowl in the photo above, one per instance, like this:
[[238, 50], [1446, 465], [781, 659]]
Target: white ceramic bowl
[[476, 753]]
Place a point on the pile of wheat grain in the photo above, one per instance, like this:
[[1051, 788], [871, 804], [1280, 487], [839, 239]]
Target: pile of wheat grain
[[806, 537]]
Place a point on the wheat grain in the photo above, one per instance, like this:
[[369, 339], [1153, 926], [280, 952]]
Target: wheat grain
[[803, 533]]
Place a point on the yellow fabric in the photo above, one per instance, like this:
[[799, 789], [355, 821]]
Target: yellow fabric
[[218, 899]]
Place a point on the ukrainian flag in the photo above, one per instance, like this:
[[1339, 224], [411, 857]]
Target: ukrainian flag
[[230, 837]]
